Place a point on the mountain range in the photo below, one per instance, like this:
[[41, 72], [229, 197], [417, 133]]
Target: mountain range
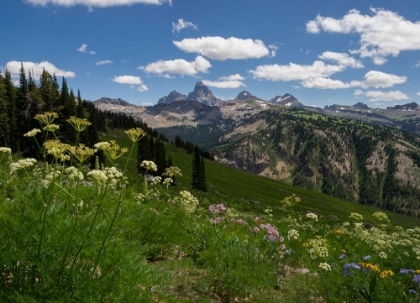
[[357, 153]]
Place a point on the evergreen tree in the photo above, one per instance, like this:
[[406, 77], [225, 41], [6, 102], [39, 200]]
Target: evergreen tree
[[198, 171], [4, 115], [12, 112], [143, 152]]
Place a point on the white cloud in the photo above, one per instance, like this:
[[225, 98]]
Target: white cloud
[[232, 78], [417, 64], [378, 79], [103, 62], [273, 49], [177, 66], [318, 69], [96, 3], [37, 68], [131, 80], [326, 83], [181, 24], [83, 49], [218, 48], [382, 34], [418, 93], [341, 59], [383, 96], [232, 81]]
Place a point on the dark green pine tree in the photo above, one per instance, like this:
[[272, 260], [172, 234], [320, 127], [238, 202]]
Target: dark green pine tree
[[160, 157], [4, 115], [68, 109], [143, 152], [12, 112], [198, 175]]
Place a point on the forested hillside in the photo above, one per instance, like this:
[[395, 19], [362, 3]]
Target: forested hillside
[[352, 160]]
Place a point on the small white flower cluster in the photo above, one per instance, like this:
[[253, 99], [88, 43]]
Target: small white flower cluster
[[381, 216], [293, 233], [32, 133], [156, 180], [187, 201], [73, 174], [53, 174], [99, 178], [149, 165], [356, 216], [325, 266], [167, 182], [24, 163], [5, 150], [115, 178], [318, 248], [312, 216]]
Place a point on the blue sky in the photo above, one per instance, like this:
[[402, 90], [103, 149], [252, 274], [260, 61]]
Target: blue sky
[[323, 52]]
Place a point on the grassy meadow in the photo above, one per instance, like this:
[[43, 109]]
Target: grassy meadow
[[74, 234]]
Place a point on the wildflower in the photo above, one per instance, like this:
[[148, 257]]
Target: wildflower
[[272, 232], [112, 150], [255, 229], [406, 271], [342, 256], [325, 266], [51, 127], [23, 163], [386, 274], [74, 174], [418, 271], [167, 182], [290, 201], [78, 124], [149, 165], [172, 171], [218, 208], [5, 150], [293, 233], [306, 244], [81, 152], [156, 180], [46, 118], [348, 268], [416, 279], [32, 133], [370, 266], [383, 255], [216, 220], [366, 257], [339, 232], [135, 134], [356, 216], [412, 291], [239, 221], [381, 216], [99, 178], [312, 216], [187, 201], [56, 148]]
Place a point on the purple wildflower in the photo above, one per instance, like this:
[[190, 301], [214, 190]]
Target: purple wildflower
[[255, 229], [342, 256], [366, 257], [216, 221], [412, 291], [416, 279], [406, 271], [348, 268]]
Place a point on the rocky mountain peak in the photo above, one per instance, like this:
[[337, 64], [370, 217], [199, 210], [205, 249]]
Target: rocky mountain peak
[[118, 101], [204, 95], [361, 105], [287, 100], [172, 97], [408, 106], [243, 95]]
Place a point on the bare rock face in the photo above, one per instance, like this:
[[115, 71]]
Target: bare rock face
[[244, 95], [204, 95], [172, 97], [287, 100]]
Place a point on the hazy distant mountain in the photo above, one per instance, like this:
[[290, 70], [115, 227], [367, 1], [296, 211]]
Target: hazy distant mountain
[[243, 95], [287, 100], [172, 97], [409, 106], [117, 102], [361, 105]]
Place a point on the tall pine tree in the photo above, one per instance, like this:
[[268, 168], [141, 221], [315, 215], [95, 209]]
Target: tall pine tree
[[198, 175]]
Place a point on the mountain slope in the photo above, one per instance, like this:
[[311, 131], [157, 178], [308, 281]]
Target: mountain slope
[[352, 160]]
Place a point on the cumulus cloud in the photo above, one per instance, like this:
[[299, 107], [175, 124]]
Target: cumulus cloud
[[103, 62], [378, 79], [418, 93], [326, 83], [96, 3], [37, 68], [218, 48], [181, 24], [131, 80], [83, 49], [341, 59], [177, 66], [382, 34], [231, 81], [382, 96]]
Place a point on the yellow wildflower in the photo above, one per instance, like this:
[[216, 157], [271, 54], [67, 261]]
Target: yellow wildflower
[[51, 127], [46, 118], [135, 134], [78, 124], [81, 152], [112, 150], [32, 133], [386, 274]]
